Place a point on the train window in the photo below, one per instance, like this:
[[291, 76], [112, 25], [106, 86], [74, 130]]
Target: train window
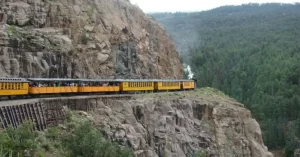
[[4, 85], [21, 86], [1, 87]]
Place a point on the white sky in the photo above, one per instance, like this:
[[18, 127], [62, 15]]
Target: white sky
[[193, 5]]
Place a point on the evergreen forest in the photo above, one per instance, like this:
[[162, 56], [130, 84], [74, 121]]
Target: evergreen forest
[[252, 53]]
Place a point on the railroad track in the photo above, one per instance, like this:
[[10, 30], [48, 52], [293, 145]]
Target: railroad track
[[12, 102]]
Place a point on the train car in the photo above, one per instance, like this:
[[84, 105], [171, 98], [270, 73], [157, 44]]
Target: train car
[[136, 85], [13, 87], [188, 84], [52, 86], [167, 85], [98, 85]]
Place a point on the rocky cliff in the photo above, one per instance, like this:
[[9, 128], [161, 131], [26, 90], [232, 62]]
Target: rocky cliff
[[83, 39], [205, 122]]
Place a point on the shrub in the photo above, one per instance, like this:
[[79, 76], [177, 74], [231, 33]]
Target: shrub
[[19, 141], [87, 141]]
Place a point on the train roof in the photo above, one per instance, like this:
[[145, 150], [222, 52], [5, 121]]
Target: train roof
[[152, 80], [106, 80], [4, 79], [53, 79]]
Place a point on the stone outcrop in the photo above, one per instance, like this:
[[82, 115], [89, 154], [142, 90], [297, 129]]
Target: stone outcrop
[[83, 39], [182, 125]]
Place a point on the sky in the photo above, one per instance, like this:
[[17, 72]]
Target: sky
[[150, 6]]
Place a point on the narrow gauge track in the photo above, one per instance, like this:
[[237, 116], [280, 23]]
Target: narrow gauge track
[[12, 102]]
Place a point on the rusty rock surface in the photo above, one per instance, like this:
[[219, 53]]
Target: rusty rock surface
[[83, 39]]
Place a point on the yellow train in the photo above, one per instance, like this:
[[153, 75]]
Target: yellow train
[[23, 87]]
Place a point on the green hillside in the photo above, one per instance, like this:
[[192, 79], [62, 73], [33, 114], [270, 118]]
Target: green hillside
[[252, 53]]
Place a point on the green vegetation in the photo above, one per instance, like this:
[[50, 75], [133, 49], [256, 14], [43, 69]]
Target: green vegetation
[[198, 154], [252, 53], [13, 32], [84, 37], [79, 138]]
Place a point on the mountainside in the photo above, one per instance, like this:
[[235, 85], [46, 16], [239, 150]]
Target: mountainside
[[203, 122], [200, 123], [252, 53], [85, 39]]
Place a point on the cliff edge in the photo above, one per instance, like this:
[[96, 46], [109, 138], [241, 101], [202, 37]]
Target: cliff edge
[[204, 122], [83, 39]]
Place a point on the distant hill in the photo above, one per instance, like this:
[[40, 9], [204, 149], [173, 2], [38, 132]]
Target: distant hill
[[252, 53], [186, 27]]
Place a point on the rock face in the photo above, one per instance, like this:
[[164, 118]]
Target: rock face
[[180, 126], [83, 39]]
